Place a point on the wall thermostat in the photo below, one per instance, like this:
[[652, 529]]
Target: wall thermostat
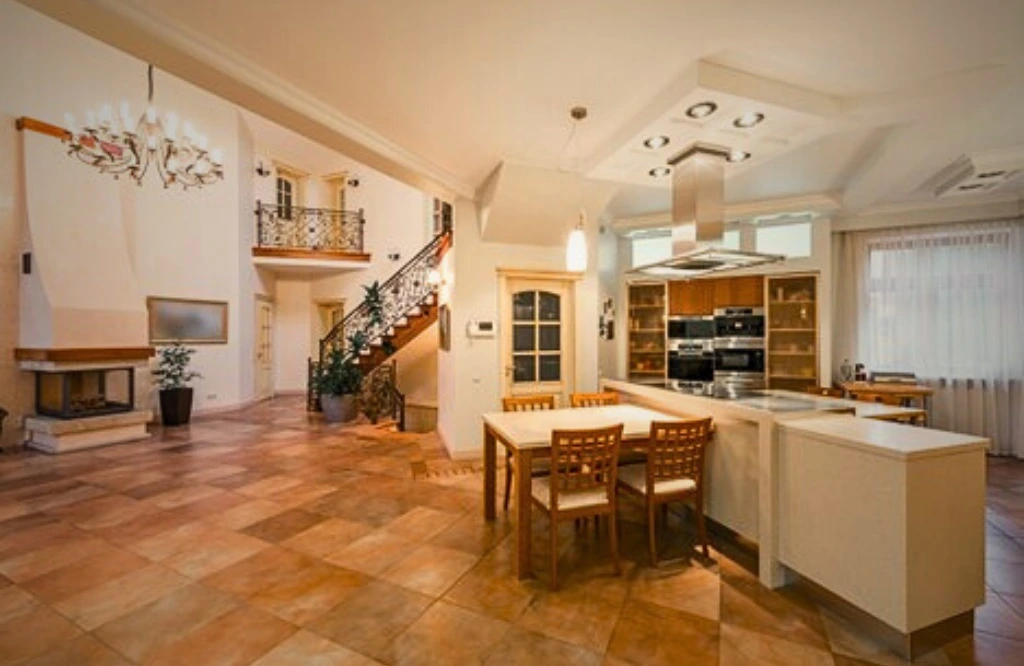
[[481, 328]]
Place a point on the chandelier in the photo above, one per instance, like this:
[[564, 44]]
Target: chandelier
[[576, 247], [121, 144]]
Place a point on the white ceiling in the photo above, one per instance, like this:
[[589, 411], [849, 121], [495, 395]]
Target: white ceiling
[[465, 84]]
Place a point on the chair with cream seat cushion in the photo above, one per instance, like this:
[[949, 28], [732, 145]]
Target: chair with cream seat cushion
[[582, 482], [674, 470], [524, 403]]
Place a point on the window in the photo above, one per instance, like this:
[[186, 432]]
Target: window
[[731, 240], [649, 249], [790, 240], [287, 190], [536, 337]]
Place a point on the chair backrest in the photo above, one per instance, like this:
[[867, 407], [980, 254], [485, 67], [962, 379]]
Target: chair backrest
[[826, 391], [883, 398], [584, 460], [527, 403], [676, 450], [594, 399]]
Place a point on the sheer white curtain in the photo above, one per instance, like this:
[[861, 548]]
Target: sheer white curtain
[[947, 303]]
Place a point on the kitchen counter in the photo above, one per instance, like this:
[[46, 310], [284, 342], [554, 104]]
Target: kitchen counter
[[889, 517]]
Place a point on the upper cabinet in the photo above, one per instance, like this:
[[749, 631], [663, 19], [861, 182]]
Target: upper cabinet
[[747, 291], [694, 297]]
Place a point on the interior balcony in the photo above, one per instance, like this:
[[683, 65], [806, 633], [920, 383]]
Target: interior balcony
[[295, 240]]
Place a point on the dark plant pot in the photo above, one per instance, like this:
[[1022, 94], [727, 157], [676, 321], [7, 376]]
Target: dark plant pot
[[175, 406], [338, 408]]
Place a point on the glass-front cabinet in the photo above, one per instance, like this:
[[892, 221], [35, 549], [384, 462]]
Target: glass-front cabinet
[[792, 318], [647, 304]]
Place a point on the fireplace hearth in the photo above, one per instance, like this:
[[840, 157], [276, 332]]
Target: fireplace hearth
[[76, 394]]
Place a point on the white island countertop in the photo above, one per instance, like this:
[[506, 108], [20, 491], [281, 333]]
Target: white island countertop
[[883, 438]]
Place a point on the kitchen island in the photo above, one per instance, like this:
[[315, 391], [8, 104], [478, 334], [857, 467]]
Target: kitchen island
[[887, 517]]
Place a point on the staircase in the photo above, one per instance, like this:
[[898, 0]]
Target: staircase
[[407, 306]]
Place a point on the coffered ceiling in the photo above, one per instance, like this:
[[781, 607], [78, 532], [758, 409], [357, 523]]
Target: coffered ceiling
[[870, 98]]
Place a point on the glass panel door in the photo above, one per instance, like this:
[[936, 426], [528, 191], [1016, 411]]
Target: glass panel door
[[538, 350]]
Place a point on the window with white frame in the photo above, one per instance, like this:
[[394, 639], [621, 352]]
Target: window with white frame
[[790, 240], [287, 191]]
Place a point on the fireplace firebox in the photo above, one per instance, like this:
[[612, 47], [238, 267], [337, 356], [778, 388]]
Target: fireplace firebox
[[75, 394]]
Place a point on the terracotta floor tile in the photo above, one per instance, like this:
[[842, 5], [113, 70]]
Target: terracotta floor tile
[[429, 569], [120, 596], [472, 535], [447, 634], [748, 604], [330, 536], [649, 634], [143, 526], [575, 615], [1005, 577], [143, 633], [212, 506], [371, 618], [373, 553], [740, 647], [309, 592], [234, 639], [122, 479], [155, 488], [297, 496], [15, 602], [984, 650], [846, 640], [247, 514], [999, 618], [305, 648], [689, 588], [284, 525], [33, 632], [268, 567], [268, 486], [13, 509], [1004, 549], [492, 588], [24, 523], [421, 523], [525, 647], [81, 651], [81, 575], [35, 563]]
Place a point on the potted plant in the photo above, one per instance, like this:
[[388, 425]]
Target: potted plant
[[173, 375], [338, 381]]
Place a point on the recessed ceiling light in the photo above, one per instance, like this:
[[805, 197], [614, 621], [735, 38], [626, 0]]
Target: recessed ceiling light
[[659, 172], [748, 120], [656, 142], [738, 156], [702, 109], [991, 174], [972, 186]]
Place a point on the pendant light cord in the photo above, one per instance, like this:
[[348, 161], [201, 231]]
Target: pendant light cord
[[151, 84]]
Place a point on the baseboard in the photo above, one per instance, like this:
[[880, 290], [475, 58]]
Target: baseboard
[[461, 456]]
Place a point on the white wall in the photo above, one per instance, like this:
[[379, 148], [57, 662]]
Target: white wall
[[181, 244], [294, 317], [469, 376]]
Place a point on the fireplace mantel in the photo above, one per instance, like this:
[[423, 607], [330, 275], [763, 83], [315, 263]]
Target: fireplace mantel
[[83, 354]]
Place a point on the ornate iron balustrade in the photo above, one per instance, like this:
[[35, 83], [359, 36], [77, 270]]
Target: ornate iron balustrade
[[300, 228], [380, 396], [406, 289]]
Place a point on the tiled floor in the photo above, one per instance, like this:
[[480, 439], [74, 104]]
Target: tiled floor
[[260, 538]]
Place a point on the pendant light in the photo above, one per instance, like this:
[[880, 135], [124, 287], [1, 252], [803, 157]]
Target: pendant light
[[576, 247]]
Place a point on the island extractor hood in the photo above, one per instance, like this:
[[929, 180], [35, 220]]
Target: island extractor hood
[[698, 221]]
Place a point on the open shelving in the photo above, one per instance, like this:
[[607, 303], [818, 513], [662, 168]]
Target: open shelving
[[792, 331], [647, 304]]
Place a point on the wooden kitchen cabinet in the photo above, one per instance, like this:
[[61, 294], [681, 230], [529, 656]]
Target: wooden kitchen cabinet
[[734, 292], [691, 297]]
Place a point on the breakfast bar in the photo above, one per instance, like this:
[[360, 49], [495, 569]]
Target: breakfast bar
[[901, 507]]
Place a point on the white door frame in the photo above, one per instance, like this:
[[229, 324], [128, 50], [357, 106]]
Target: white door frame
[[264, 378]]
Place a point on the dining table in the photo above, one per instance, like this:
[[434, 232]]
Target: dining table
[[527, 435]]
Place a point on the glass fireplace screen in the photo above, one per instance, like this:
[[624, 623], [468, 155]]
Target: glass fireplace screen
[[80, 393]]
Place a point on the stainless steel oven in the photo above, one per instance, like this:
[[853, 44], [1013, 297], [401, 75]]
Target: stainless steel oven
[[691, 364], [691, 328], [739, 364], [739, 323]]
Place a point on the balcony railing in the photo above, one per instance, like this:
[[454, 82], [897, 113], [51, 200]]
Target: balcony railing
[[314, 229]]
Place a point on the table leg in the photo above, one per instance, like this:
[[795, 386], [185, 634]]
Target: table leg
[[490, 463], [524, 513]]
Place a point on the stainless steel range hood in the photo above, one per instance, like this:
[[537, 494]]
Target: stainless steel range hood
[[698, 217]]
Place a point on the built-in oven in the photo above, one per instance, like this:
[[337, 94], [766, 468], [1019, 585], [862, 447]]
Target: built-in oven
[[691, 328], [738, 323], [691, 364], [739, 364]]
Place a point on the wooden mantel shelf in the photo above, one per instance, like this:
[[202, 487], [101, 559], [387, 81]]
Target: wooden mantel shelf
[[83, 354]]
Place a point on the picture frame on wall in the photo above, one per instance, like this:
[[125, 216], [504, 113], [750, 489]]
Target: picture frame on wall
[[444, 328], [185, 320]]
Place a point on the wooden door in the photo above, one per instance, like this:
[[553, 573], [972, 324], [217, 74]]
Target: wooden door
[[538, 338], [264, 350]]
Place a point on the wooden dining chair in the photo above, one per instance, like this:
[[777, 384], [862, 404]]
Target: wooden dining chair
[[891, 399], [825, 391], [674, 471], [525, 403], [594, 399], [581, 484]]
